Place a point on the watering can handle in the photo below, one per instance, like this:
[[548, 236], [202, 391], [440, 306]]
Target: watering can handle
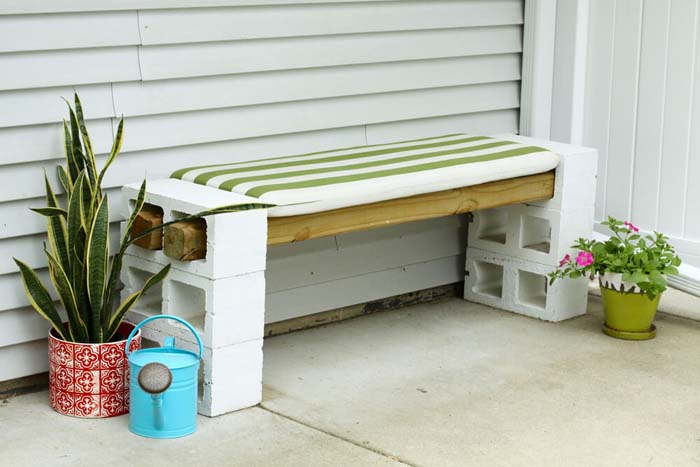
[[176, 318]]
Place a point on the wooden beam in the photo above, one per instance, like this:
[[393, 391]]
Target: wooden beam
[[397, 211], [150, 216], [186, 240]]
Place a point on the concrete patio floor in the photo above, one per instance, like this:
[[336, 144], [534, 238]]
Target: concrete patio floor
[[449, 383]]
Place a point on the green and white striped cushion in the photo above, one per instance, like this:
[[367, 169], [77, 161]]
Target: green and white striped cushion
[[326, 180]]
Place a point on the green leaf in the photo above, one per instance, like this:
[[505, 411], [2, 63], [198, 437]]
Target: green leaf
[[116, 147], [77, 329], [50, 211], [132, 299], [111, 292], [97, 258], [74, 221], [56, 228], [68, 148], [86, 204], [638, 277], [78, 154], [64, 179], [40, 299]]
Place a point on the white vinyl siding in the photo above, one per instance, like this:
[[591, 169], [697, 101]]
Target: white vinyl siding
[[224, 80], [643, 114]]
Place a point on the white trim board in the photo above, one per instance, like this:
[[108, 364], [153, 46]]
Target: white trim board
[[555, 45], [538, 68]]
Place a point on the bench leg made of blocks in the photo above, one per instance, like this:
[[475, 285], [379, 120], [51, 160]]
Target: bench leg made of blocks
[[512, 249], [221, 295]]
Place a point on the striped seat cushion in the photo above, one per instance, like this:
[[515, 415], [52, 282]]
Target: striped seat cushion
[[322, 181]]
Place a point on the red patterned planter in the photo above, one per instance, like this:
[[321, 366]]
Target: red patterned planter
[[90, 380]]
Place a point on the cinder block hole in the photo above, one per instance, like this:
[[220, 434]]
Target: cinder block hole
[[492, 225], [151, 303], [536, 233], [489, 279], [532, 289], [187, 302]]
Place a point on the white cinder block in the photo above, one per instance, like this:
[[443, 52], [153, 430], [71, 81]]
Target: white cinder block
[[575, 178], [232, 378], [521, 286], [530, 232], [236, 242], [224, 311]]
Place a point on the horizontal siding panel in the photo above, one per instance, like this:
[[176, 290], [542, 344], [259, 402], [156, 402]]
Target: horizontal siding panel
[[171, 26], [23, 70], [37, 106], [21, 181], [173, 61], [12, 290], [494, 122], [28, 358], [180, 95], [199, 127], [43, 142], [18, 220], [29, 249], [21, 325], [349, 291], [67, 31], [363, 252], [58, 6]]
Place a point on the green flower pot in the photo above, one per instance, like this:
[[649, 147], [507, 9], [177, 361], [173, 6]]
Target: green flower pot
[[629, 315]]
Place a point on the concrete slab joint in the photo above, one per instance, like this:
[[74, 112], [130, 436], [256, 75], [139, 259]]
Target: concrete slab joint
[[222, 295], [512, 249]]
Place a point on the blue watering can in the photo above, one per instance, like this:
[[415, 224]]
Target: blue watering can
[[163, 388]]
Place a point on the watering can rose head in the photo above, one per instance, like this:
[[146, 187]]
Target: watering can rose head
[[644, 260]]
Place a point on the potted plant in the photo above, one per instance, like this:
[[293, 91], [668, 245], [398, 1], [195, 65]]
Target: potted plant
[[88, 371], [631, 271]]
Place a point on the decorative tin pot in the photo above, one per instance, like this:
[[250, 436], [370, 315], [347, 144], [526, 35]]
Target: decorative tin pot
[[90, 380], [629, 314], [164, 386]]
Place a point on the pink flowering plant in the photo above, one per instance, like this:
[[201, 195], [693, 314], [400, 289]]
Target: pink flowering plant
[[645, 260]]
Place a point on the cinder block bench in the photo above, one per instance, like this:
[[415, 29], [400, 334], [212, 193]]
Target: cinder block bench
[[530, 199]]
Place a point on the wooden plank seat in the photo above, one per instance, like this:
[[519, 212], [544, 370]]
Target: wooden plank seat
[[530, 199]]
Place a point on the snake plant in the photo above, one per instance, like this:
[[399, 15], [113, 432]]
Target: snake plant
[[83, 274]]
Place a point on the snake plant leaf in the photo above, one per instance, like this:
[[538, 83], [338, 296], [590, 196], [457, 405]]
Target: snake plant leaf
[[75, 219], [126, 305], [56, 228], [111, 291], [86, 207], [97, 259], [90, 163], [50, 211], [78, 153], [79, 280], [69, 150], [77, 328], [116, 147], [138, 206], [65, 180], [40, 299]]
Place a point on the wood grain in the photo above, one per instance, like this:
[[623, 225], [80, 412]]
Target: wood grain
[[397, 211], [149, 217]]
